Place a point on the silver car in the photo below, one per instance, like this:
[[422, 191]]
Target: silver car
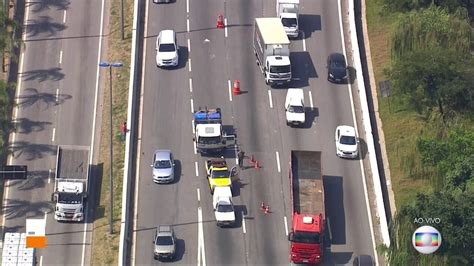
[[164, 243], [163, 166]]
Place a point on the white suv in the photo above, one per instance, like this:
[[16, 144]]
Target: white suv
[[346, 142], [167, 49]]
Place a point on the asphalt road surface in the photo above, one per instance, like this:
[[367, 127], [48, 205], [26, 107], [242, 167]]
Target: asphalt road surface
[[57, 90], [210, 59]]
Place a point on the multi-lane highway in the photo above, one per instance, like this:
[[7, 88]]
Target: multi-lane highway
[[57, 89], [210, 59]]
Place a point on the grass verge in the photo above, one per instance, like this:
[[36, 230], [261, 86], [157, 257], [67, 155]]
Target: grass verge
[[401, 127], [105, 246]]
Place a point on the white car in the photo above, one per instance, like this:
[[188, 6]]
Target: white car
[[346, 142], [167, 49], [294, 107]]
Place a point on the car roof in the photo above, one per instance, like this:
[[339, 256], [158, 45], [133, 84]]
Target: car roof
[[346, 130], [167, 36], [336, 57], [162, 155]]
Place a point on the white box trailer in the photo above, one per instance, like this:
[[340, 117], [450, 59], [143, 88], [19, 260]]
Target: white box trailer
[[272, 49]]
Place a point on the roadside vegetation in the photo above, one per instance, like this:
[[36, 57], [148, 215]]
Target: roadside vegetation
[[424, 48], [105, 246]]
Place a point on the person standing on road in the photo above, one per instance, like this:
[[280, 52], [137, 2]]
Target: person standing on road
[[241, 156]]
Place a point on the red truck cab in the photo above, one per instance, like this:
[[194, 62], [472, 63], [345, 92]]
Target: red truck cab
[[306, 239]]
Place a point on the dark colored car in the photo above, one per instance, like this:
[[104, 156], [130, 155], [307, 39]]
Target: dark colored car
[[337, 68], [363, 260], [161, 1]]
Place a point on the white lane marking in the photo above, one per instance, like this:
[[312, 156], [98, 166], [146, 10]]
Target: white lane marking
[[197, 168], [91, 155], [225, 27], [195, 149], [189, 65], [189, 45], [304, 42], [41, 261], [187, 24], [192, 105], [369, 211], [54, 134], [270, 98], [190, 85], [329, 228], [64, 17], [198, 194], [192, 126], [57, 95], [45, 215], [187, 6], [201, 237], [286, 225], [60, 57], [311, 99], [49, 176], [230, 90], [278, 162], [243, 223]]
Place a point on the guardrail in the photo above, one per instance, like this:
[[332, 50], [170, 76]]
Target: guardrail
[[368, 127], [129, 144]]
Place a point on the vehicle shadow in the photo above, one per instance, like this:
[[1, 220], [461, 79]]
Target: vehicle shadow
[[177, 171], [303, 70], [309, 24], [335, 213], [351, 75], [180, 249], [240, 213], [311, 114]]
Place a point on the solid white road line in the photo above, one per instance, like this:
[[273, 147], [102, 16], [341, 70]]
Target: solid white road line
[[192, 106], [199, 195], [199, 236], [311, 99], [96, 96], [197, 168], [190, 85], [60, 57], [189, 45], [270, 98], [201, 230], [286, 225], [54, 133], [369, 211], [187, 6], [225, 27], [57, 95], [192, 126], [49, 176], [187, 24], [189, 65], [304, 42], [64, 17], [41, 261], [195, 149], [243, 223], [278, 162], [230, 91]]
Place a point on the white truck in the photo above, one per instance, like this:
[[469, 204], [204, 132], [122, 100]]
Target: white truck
[[271, 47], [223, 206], [210, 136], [294, 107], [71, 183], [288, 12]]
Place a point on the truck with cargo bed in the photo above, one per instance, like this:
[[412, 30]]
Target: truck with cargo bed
[[272, 49], [71, 182], [308, 215]]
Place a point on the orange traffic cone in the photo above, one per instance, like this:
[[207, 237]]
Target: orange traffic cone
[[267, 209], [262, 206], [256, 165], [236, 88], [252, 159], [220, 22]]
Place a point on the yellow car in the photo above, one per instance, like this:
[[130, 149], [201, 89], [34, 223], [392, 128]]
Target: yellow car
[[218, 174]]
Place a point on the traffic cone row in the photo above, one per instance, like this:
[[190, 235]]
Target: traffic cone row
[[264, 208], [236, 87]]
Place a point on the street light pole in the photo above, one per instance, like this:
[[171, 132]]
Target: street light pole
[[108, 65]]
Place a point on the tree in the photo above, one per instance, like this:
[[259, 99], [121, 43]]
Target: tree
[[429, 29], [434, 79], [455, 213], [409, 5], [7, 39]]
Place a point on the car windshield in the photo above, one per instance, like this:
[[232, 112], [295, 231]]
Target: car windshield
[[348, 140], [70, 198], [164, 241], [280, 69], [220, 174], [167, 47], [306, 237], [289, 22], [296, 109], [225, 208], [209, 140], [164, 164]]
